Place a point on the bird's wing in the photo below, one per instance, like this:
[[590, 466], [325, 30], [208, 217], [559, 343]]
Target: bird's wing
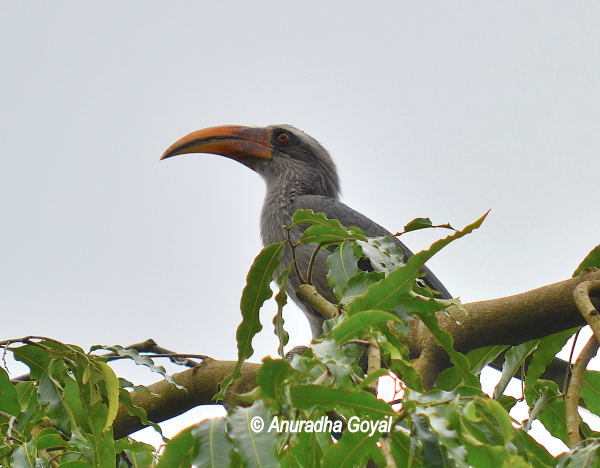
[[349, 217]]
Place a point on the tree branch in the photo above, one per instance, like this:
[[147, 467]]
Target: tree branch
[[582, 299], [509, 320], [201, 384], [308, 294], [572, 396]]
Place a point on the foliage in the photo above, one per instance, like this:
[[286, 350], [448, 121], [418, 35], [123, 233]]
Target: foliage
[[63, 415]]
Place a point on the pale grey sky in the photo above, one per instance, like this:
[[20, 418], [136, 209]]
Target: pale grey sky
[[439, 109]]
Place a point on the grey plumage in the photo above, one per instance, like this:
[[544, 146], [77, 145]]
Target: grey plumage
[[299, 173], [303, 176]]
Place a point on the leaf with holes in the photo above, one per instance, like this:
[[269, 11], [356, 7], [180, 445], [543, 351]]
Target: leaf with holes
[[383, 253], [343, 265], [389, 291]]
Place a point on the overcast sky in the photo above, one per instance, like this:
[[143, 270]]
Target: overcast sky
[[439, 109]]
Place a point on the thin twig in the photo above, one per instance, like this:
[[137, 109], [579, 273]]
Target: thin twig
[[6, 415], [294, 262], [373, 362], [311, 263], [436, 226], [581, 295], [570, 364], [572, 396], [316, 251], [319, 380], [387, 453]]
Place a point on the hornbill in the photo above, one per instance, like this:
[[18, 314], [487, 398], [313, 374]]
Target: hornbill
[[299, 174]]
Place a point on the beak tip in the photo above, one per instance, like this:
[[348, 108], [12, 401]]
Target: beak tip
[[165, 155]]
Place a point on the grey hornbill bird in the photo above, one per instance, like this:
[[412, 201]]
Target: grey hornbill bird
[[299, 174]]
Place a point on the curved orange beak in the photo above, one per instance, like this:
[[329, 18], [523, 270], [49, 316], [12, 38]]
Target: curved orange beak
[[234, 141]]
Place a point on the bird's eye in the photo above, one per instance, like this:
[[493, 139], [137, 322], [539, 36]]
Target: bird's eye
[[283, 138]]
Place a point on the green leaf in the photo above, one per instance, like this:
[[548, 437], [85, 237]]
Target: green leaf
[[478, 359], [544, 354], [339, 364], [326, 398], [179, 451], [358, 324], [358, 285], [23, 456], [400, 359], [35, 357], [112, 392], [271, 377], [49, 438], [533, 452], [140, 455], [407, 373], [103, 445], [592, 260], [488, 456], [404, 451], [418, 223], [256, 448], [513, 360], [137, 411], [213, 447], [585, 455], [141, 360], [591, 391], [383, 252], [352, 450], [342, 265], [547, 405], [457, 358], [51, 399], [278, 322], [306, 449], [507, 402], [323, 229], [75, 464], [255, 293], [9, 400], [499, 416], [433, 456], [387, 293]]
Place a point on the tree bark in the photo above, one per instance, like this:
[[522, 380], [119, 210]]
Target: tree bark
[[509, 320]]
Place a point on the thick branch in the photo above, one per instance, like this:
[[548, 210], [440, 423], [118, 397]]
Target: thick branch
[[201, 384], [510, 320]]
